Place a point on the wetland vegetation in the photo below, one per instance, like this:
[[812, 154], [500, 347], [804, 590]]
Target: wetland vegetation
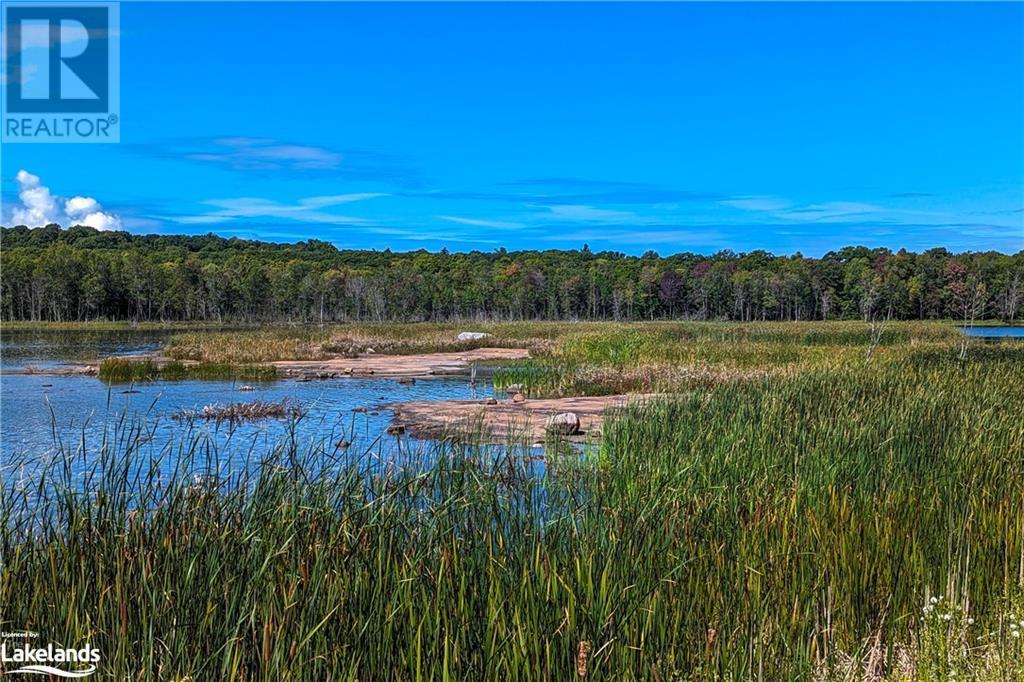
[[807, 501]]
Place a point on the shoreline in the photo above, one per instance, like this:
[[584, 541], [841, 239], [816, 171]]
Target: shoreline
[[410, 366]]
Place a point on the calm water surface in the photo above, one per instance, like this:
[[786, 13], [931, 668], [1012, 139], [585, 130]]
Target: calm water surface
[[995, 332], [40, 412]]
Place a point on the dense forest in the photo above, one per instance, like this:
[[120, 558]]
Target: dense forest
[[49, 273]]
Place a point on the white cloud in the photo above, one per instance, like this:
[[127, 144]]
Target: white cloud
[[40, 207], [100, 221], [76, 207]]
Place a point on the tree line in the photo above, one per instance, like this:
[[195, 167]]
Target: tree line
[[79, 273]]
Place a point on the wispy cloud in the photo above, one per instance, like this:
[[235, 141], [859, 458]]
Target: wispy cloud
[[252, 153], [477, 222], [308, 209], [265, 155], [783, 209], [580, 212], [831, 210], [758, 203], [908, 195], [574, 191], [677, 236]]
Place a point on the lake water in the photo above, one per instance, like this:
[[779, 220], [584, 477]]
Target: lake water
[[995, 332], [39, 412]]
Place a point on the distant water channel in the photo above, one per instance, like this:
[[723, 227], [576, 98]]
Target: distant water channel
[[995, 332], [40, 410]]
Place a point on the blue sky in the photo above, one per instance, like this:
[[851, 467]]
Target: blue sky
[[673, 127]]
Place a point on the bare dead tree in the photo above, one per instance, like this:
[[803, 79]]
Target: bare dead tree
[[876, 323], [973, 305], [1009, 299]]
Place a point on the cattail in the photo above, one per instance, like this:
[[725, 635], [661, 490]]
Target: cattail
[[582, 653]]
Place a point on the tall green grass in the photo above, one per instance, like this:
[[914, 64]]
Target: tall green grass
[[775, 528]]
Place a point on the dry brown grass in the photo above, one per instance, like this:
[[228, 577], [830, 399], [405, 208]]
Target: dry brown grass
[[243, 412]]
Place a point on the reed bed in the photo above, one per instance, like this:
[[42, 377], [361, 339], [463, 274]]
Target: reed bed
[[787, 526], [125, 370]]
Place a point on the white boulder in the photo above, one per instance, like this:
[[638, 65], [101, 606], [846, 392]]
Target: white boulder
[[472, 336]]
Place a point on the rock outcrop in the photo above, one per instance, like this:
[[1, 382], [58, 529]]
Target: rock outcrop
[[565, 423]]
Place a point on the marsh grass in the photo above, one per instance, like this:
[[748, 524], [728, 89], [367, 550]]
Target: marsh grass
[[125, 370], [542, 338], [307, 343], [786, 526], [672, 357]]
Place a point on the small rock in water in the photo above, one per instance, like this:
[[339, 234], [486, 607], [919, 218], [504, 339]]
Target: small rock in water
[[406, 380], [342, 444], [518, 398], [247, 387], [131, 390], [396, 429], [472, 336], [566, 423], [374, 414], [359, 409]]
